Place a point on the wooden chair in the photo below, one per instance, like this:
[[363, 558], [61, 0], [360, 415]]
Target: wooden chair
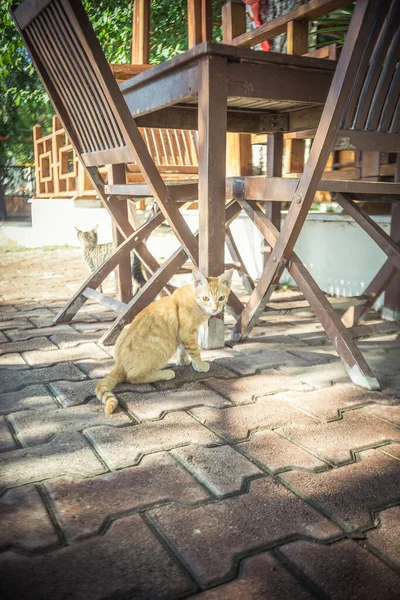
[[363, 105], [81, 86]]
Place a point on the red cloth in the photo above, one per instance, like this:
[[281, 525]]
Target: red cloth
[[255, 7]]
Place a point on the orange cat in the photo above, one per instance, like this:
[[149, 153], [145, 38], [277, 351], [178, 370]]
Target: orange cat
[[171, 323]]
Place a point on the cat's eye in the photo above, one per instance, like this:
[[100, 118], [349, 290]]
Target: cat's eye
[[221, 298], [205, 298]]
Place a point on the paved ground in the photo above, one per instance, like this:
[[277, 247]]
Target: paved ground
[[268, 477]]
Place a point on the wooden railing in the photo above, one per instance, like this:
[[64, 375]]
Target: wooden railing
[[59, 174]]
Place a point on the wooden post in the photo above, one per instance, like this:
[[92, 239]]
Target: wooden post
[[123, 274], [212, 152], [140, 54], [233, 20], [274, 169], [37, 134], [391, 308], [199, 21], [296, 43], [239, 156]]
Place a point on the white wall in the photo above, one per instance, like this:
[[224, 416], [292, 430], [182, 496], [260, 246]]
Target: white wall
[[340, 256]]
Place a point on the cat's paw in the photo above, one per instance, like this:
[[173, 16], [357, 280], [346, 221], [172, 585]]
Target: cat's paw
[[168, 374], [184, 360], [201, 367]]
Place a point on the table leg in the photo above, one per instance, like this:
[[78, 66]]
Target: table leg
[[274, 169], [212, 123], [123, 274]]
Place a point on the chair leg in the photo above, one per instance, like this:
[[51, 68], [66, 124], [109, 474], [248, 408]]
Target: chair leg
[[341, 338], [153, 286], [378, 285], [95, 280], [235, 254]]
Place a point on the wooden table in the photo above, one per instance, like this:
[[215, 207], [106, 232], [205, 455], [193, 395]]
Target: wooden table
[[216, 88]]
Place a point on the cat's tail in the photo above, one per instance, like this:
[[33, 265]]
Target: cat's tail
[[104, 387], [137, 272]]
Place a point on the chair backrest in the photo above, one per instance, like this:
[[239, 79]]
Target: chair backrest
[[74, 70], [373, 105]]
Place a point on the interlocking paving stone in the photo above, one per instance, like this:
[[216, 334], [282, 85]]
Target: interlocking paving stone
[[209, 537], [17, 335], [335, 440], [262, 343], [128, 561], [350, 493], [275, 452], [122, 447], [4, 309], [78, 353], [154, 405], [345, 570], [388, 413], [25, 314], [261, 576], [249, 364], [31, 397], [235, 423], [25, 522], [41, 343], [189, 375], [72, 393], [38, 427], [88, 324], [12, 380], [48, 321], [392, 450], [12, 361], [386, 536], [68, 454], [7, 441], [3, 337], [83, 505], [319, 376], [221, 469], [97, 369], [71, 340], [316, 356], [328, 404], [245, 389]]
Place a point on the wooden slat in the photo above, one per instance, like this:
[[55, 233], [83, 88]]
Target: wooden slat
[[110, 303], [372, 140], [179, 192], [365, 71]]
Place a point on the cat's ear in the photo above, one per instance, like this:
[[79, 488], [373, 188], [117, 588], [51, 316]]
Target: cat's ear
[[226, 278], [198, 278], [95, 228], [78, 231]]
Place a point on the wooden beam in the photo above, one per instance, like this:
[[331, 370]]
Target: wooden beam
[[306, 12], [297, 37], [140, 54]]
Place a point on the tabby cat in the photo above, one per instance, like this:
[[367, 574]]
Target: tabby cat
[[96, 254], [171, 323]]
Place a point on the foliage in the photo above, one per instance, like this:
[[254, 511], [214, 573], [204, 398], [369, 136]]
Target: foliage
[[25, 102], [332, 28]]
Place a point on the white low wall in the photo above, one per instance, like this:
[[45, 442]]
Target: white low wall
[[340, 256]]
